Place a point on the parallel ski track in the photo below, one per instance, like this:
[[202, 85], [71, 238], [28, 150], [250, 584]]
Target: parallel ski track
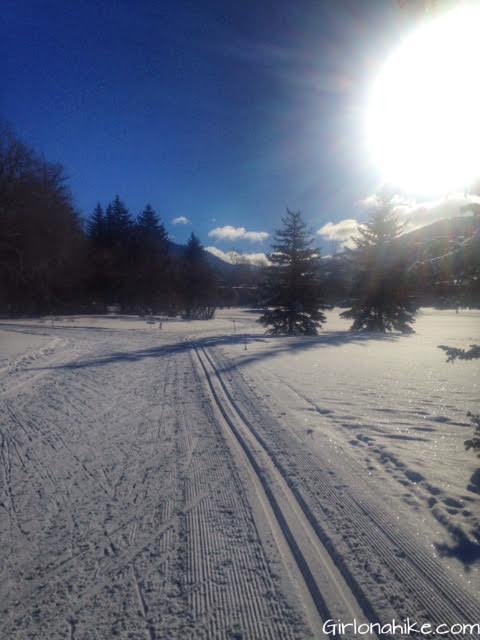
[[443, 601], [226, 576], [291, 520]]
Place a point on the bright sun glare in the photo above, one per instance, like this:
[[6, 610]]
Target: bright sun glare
[[424, 117]]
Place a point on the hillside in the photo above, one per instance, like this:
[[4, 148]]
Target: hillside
[[443, 260]]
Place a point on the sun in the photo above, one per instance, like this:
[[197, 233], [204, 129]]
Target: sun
[[423, 122]]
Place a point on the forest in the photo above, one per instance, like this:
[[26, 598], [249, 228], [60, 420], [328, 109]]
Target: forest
[[54, 260]]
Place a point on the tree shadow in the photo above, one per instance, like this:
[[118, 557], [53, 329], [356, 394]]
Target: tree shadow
[[474, 485], [275, 346], [465, 550], [281, 345]]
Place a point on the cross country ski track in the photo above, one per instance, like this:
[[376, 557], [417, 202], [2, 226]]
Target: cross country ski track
[[148, 492], [325, 593], [407, 577]]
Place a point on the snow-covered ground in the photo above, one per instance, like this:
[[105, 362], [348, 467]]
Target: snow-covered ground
[[203, 480], [17, 342]]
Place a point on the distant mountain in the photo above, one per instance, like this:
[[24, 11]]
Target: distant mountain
[[441, 238], [220, 266]]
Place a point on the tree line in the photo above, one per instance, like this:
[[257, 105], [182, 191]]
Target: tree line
[[52, 261], [132, 265]]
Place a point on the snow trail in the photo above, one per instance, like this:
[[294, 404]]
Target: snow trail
[[122, 513], [175, 485], [322, 582]]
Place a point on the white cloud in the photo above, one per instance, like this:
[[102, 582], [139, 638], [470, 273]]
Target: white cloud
[[237, 233], [233, 257], [180, 220], [340, 232]]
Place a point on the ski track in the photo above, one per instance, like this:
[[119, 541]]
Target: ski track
[[147, 492], [320, 581], [370, 547], [122, 513]]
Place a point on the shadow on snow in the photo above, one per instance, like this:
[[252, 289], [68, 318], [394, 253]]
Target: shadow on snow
[[278, 345]]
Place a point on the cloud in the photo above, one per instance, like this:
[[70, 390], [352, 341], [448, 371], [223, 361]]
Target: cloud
[[233, 257], [180, 220], [237, 233], [340, 232]]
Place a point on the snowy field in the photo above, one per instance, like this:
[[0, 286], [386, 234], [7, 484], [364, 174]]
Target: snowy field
[[203, 480]]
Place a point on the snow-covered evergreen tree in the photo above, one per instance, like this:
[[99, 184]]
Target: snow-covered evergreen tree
[[382, 298], [292, 292]]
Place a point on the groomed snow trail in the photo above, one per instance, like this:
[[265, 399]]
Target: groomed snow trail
[[122, 512], [324, 592], [392, 572], [149, 491]]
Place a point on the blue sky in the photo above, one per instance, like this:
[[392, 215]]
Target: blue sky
[[223, 112]]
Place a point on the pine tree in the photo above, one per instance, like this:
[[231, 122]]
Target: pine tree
[[383, 301], [118, 256], [148, 223], [292, 289], [118, 223], [96, 225], [198, 282], [152, 265]]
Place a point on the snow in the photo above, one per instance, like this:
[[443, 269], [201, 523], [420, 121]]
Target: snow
[[204, 480], [15, 342]]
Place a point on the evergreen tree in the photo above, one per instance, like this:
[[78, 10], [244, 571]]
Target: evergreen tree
[[151, 233], [292, 283], [149, 225], [100, 265], [383, 301], [118, 258], [152, 264], [118, 223], [96, 226], [198, 282]]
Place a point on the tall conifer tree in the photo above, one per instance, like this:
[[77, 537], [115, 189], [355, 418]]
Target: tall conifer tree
[[292, 289], [198, 282], [96, 225], [383, 300], [152, 265]]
